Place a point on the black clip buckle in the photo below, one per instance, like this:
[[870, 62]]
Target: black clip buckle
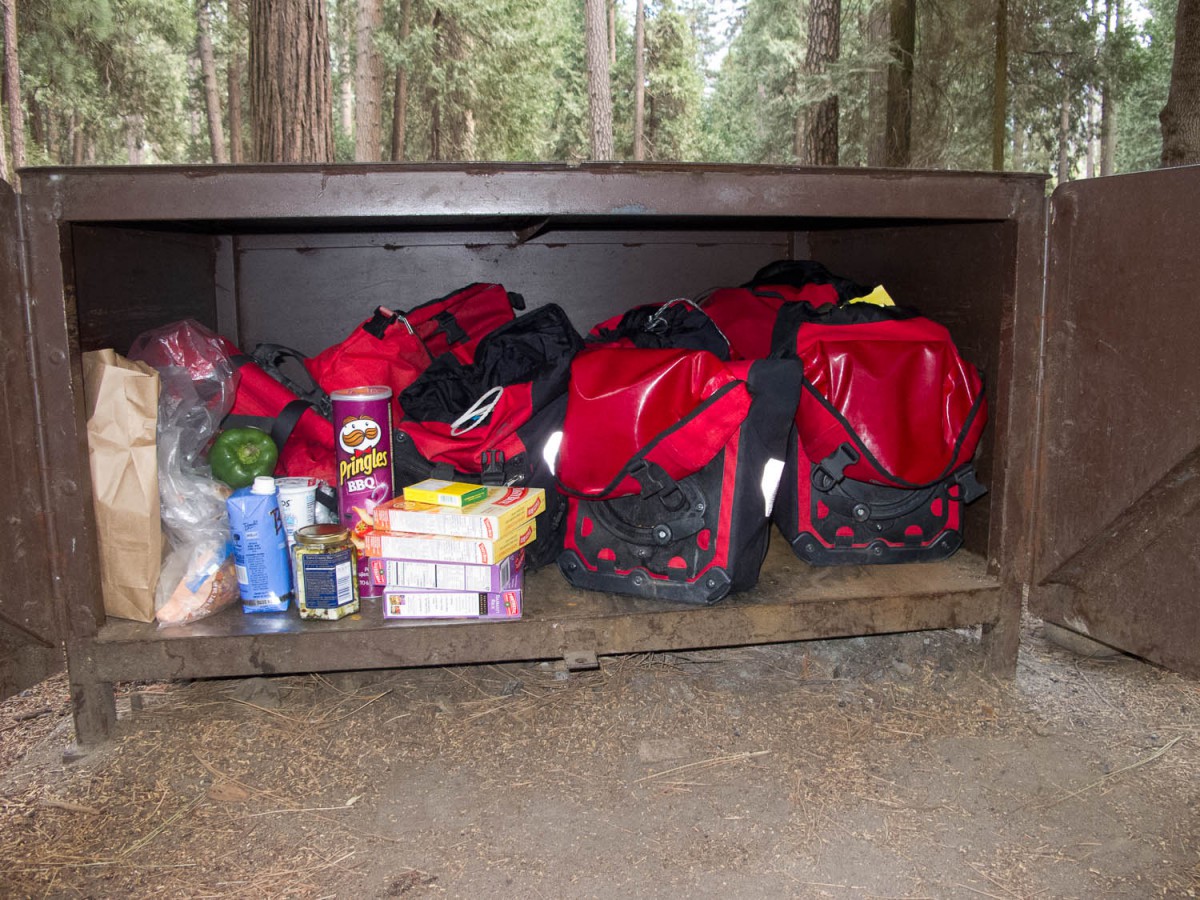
[[832, 469], [491, 468]]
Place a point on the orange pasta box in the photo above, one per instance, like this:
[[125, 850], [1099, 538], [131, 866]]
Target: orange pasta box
[[445, 548], [502, 512]]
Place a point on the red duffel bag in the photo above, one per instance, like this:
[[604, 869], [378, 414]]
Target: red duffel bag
[[305, 438], [394, 348]]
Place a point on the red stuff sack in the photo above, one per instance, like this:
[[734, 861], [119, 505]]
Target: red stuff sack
[[304, 436], [393, 348], [747, 315]]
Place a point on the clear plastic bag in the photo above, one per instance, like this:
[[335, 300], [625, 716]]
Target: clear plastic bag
[[197, 388]]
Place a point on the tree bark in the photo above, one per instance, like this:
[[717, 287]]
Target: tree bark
[[290, 90], [819, 141], [1064, 138], [1000, 87], [368, 83], [212, 96], [639, 81], [235, 87], [1180, 118], [400, 98], [612, 34], [455, 120], [878, 32], [345, 35], [1108, 96], [12, 86], [78, 140], [898, 149], [600, 115]]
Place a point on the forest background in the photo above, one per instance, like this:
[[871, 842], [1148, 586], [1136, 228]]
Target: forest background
[[1073, 88]]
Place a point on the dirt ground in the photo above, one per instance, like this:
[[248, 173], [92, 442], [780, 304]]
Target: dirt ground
[[870, 767]]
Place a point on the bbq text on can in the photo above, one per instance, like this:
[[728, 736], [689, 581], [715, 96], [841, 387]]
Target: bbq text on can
[[326, 572], [362, 418]]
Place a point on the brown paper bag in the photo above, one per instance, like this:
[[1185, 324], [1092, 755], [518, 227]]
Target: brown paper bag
[[121, 402]]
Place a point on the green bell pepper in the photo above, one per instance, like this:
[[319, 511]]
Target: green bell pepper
[[238, 455]]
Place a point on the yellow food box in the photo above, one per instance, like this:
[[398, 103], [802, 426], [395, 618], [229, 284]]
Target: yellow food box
[[445, 493]]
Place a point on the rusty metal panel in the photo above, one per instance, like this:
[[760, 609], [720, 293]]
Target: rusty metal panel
[[591, 275], [29, 628], [1116, 552], [129, 280]]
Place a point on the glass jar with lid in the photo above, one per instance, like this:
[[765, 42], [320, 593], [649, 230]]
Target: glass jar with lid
[[325, 563]]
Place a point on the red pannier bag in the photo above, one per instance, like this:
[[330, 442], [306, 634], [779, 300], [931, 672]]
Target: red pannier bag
[[393, 349], [747, 315], [879, 462], [304, 436], [495, 421], [670, 459]]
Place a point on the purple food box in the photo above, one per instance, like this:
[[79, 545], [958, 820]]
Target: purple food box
[[424, 574], [403, 603]]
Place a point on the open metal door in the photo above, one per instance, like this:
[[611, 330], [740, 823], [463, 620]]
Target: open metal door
[[29, 623], [1117, 519]]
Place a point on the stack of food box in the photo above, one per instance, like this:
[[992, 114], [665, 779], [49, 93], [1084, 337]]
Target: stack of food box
[[448, 550]]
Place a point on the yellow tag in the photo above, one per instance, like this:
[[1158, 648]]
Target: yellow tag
[[877, 297]]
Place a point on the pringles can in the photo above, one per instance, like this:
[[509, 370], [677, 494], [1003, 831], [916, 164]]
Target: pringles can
[[362, 417]]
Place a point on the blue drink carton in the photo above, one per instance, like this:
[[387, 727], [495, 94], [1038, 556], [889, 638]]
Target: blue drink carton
[[264, 570]]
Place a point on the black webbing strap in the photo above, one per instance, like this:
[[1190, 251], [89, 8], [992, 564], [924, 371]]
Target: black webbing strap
[[279, 427]]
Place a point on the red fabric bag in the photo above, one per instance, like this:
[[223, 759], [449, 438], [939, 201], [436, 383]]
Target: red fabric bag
[[394, 348], [304, 437]]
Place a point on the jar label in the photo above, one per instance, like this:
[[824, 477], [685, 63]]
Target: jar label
[[327, 579]]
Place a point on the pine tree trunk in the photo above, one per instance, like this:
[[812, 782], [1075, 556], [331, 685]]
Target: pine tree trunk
[[612, 34], [212, 96], [639, 81], [1108, 99], [78, 143], [400, 98], [600, 115], [12, 85], [1064, 138], [878, 33], [819, 141], [345, 35], [368, 83], [1000, 86], [898, 151], [1180, 118], [235, 89], [290, 92], [456, 119]]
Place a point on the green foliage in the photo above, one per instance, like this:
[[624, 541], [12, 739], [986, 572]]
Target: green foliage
[[674, 85], [1151, 49], [87, 64], [505, 79], [751, 113]]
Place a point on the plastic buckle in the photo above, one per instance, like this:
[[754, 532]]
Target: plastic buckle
[[832, 469], [654, 481], [491, 468], [969, 487], [449, 326]]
